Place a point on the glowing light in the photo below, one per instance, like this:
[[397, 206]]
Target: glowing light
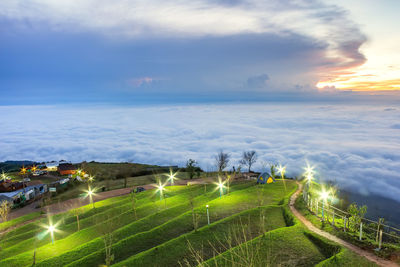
[[160, 188], [91, 178], [309, 170], [171, 177], [23, 170], [34, 168], [3, 176], [324, 195], [282, 170], [51, 228], [220, 186], [90, 193]]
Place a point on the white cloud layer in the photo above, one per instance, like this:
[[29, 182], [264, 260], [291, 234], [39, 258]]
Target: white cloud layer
[[357, 146]]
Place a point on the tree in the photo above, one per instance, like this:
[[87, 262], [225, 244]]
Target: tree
[[191, 167], [249, 158], [222, 160], [273, 170], [356, 215], [4, 210]]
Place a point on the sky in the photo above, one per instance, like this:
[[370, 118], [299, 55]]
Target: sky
[[159, 81], [157, 51]]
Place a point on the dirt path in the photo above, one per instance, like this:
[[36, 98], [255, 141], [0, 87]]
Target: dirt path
[[370, 256]]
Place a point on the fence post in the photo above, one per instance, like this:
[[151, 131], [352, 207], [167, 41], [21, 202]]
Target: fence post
[[333, 217], [377, 231], [344, 223], [380, 239], [317, 209], [361, 231]]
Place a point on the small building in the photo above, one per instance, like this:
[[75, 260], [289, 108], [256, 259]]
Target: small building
[[66, 169], [264, 178], [52, 166], [9, 186], [16, 198]]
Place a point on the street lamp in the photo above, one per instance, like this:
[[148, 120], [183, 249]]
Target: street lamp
[[90, 178], [282, 170], [208, 215], [160, 188], [90, 194], [221, 189], [171, 177], [324, 196]]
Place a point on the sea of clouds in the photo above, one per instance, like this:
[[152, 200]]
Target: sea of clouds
[[358, 146]]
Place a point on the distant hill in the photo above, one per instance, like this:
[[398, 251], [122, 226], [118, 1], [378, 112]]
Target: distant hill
[[14, 165]]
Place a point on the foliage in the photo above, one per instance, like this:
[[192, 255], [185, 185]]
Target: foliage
[[191, 167], [356, 215], [4, 210]]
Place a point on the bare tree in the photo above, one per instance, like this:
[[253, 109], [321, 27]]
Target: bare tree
[[222, 160], [4, 210], [191, 167], [249, 158]]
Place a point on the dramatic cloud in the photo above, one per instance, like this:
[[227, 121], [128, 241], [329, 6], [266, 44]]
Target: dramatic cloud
[[328, 25], [356, 146]]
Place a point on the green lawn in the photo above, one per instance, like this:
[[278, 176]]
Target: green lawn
[[251, 225]]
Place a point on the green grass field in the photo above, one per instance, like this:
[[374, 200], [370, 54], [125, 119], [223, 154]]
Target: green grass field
[[249, 226]]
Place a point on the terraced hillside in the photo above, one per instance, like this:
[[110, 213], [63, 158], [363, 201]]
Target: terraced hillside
[[250, 225]]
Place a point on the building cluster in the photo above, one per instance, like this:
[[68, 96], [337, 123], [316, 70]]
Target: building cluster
[[19, 193]]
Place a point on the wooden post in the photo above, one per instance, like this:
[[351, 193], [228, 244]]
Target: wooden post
[[317, 208], [377, 231], [344, 223], [380, 239], [361, 231], [333, 217]]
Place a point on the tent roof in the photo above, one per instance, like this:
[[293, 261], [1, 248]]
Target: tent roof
[[264, 174]]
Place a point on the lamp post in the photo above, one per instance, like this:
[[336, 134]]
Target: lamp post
[[161, 189], [171, 178], [324, 196], [221, 188], [51, 229], [90, 194], [208, 215]]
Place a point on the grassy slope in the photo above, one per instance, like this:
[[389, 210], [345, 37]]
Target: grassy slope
[[219, 208], [155, 239], [93, 250], [5, 225], [229, 205], [208, 238], [70, 238]]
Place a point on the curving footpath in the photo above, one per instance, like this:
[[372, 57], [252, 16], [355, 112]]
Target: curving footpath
[[370, 256]]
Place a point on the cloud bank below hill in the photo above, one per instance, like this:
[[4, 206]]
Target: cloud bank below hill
[[356, 146]]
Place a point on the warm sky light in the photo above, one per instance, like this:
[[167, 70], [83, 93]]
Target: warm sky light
[[381, 71]]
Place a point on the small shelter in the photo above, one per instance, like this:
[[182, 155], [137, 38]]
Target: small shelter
[[66, 169], [265, 178]]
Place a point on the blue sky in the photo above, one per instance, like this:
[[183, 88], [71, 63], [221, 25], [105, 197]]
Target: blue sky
[[189, 51]]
